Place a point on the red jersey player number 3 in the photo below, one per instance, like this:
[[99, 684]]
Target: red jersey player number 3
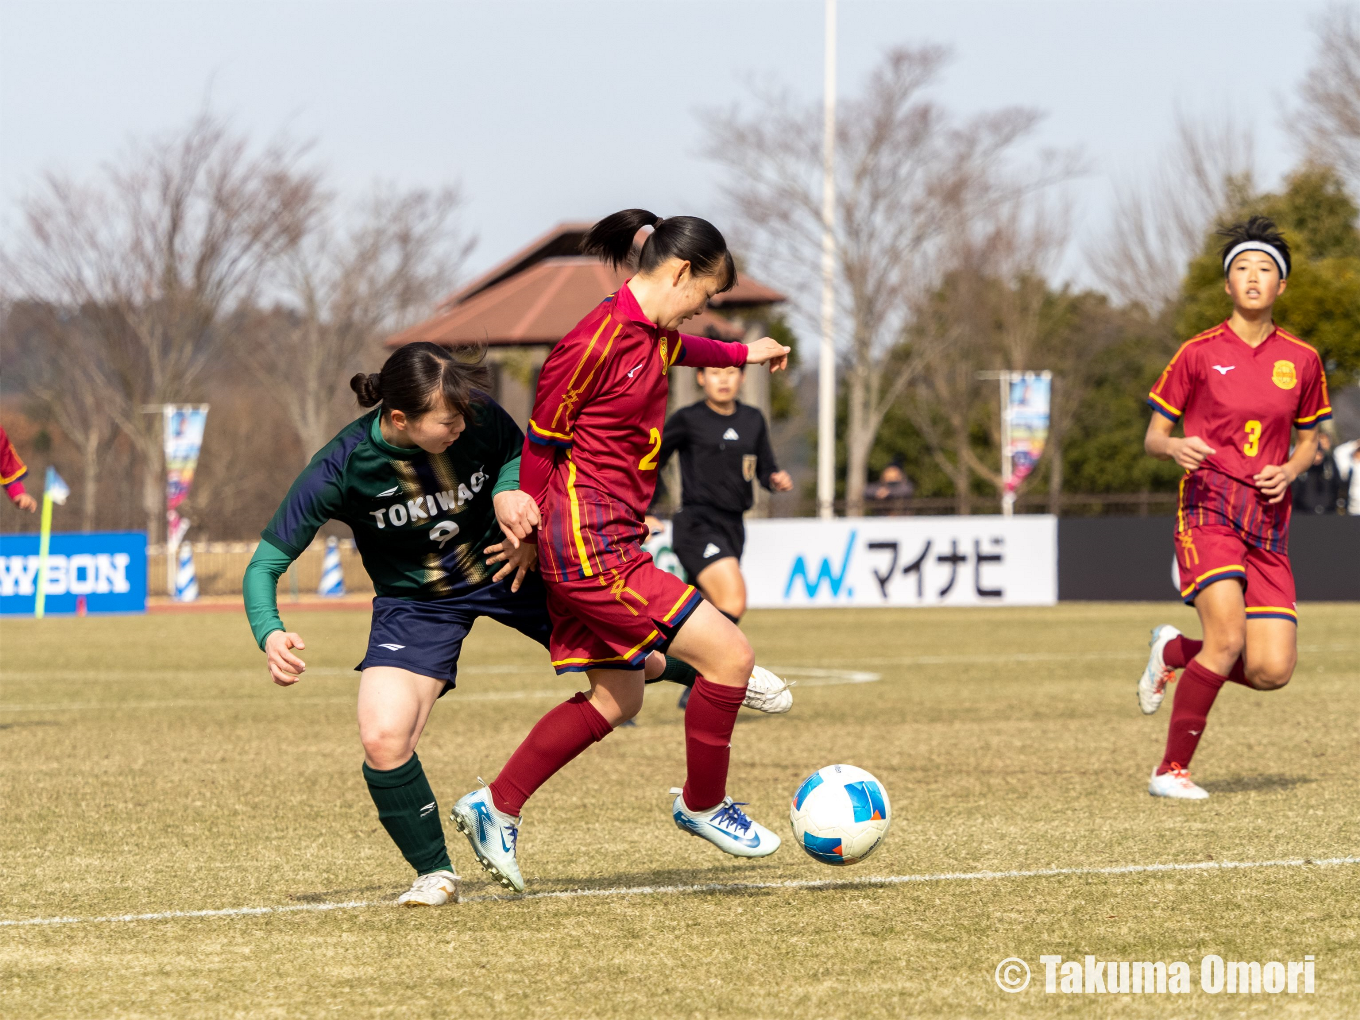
[[1242, 389]]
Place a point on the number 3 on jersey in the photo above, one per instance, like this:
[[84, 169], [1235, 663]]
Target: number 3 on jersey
[[1253, 443], [648, 461]]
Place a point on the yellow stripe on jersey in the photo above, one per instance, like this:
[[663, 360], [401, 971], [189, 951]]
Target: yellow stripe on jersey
[[547, 432], [1312, 417], [684, 597], [573, 392], [576, 518], [1174, 410]]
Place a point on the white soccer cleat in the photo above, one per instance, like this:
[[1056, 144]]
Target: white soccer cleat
[[493, 835], [1176, 784], [727, 827], [1152, 684], [432, 890], [767, 693]]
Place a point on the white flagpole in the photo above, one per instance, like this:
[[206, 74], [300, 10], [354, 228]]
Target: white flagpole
[[826, 368]]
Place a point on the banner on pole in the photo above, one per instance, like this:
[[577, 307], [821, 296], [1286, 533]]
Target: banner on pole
[[1026, 424], [183, 426]]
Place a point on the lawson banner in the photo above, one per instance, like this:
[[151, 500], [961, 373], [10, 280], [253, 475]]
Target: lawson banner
[[107, 567], [902, 561]]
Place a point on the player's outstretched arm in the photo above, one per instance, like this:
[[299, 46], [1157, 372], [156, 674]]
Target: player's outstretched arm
[[284, 667], [768, 351]]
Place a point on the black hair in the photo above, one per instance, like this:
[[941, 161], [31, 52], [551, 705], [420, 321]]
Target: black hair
[[1257, 228], [416, 376], [687, 238]]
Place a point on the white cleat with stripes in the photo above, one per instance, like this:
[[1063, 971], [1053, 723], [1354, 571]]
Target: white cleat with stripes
[[1176, 784], [1152, 684]]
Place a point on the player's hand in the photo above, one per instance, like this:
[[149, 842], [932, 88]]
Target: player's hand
[[655, 525], [285, 667], [25, 502], [1273, 481], [769, 351], [1190, 452], [518, 559], [781, 481], [517, 514]]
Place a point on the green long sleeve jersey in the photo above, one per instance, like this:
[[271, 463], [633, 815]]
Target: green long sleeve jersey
[[421, 521]]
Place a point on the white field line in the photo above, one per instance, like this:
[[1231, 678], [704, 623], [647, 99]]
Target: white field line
[[711, 887], [809, 677]]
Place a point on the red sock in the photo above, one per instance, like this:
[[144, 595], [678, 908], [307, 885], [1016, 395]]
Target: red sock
[[556, 739], [709, 718], [1180, 650], [1195, 695]]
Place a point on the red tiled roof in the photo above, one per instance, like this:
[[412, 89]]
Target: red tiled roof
[[539, 306], [539, 293]]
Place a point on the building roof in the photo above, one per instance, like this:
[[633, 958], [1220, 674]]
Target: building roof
[[538, 294]]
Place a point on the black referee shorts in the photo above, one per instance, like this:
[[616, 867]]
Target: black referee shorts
[[701, 536]]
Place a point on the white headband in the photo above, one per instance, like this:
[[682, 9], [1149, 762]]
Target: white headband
[[1270, 250]]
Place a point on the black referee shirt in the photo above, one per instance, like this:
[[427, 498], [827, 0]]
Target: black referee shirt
[[720, 455]]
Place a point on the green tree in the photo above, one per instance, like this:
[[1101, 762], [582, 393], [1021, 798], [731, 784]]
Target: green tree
[[1322, 302]]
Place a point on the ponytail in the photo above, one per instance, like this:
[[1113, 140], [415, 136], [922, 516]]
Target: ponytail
[[687, 238], [418, 377]]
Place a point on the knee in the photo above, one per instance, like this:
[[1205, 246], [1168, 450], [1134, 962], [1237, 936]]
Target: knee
[[1228, 643], [743, 658], [628, 703], [1270, 676], [385, 747]]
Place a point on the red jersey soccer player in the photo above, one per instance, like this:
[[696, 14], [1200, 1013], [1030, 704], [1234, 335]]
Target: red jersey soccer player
[[590, 464], [1239, 387]]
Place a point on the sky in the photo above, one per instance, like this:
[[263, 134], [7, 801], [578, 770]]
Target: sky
[[544, 112]]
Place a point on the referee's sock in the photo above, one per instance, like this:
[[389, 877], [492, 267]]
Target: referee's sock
[[1195, 694], [407, 810]]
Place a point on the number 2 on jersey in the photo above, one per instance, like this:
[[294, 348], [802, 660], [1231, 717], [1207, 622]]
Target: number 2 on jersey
[[648, 461], [1253, 443]]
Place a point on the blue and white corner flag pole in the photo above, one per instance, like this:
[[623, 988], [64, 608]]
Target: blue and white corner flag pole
[[186, 578], [332, 573], [55, 490]]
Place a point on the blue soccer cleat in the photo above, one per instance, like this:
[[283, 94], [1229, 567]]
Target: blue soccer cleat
[[727, 827], [493, 835]]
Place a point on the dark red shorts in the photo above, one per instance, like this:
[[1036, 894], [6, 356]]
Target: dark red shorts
[[614, 619], [1217, 552]]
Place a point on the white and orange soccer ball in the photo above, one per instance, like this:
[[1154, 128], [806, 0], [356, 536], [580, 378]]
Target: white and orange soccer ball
[[840, 814]]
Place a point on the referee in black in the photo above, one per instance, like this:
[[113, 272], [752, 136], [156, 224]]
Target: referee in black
[[724, 445]]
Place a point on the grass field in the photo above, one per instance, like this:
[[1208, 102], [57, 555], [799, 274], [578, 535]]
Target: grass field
[[147, 766]]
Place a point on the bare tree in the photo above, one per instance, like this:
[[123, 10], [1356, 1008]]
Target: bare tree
[[1329, 121], [160, 255], [1159, 222], [343, 291], [908, 175]]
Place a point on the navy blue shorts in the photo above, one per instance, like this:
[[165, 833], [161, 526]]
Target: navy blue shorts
[[426, 637]]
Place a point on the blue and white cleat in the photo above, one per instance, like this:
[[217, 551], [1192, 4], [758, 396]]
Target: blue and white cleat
[[1152, 684], [727, 827], [493, 835]]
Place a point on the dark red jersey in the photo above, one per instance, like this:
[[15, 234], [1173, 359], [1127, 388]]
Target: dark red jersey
[[1242, 401], [12, 469], [591, 453]]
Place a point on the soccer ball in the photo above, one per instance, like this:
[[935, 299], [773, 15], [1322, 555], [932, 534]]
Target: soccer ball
[[840, 814]]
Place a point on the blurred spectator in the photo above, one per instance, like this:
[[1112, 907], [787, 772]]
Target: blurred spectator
[[12, 471], [1348, 464], [1320, 489], [893, 486]]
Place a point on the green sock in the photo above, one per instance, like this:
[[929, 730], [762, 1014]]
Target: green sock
[[678, 672], [407, 810]]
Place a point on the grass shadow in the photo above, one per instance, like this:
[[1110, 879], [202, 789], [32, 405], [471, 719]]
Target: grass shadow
[[35, 722], [1255, 784]]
